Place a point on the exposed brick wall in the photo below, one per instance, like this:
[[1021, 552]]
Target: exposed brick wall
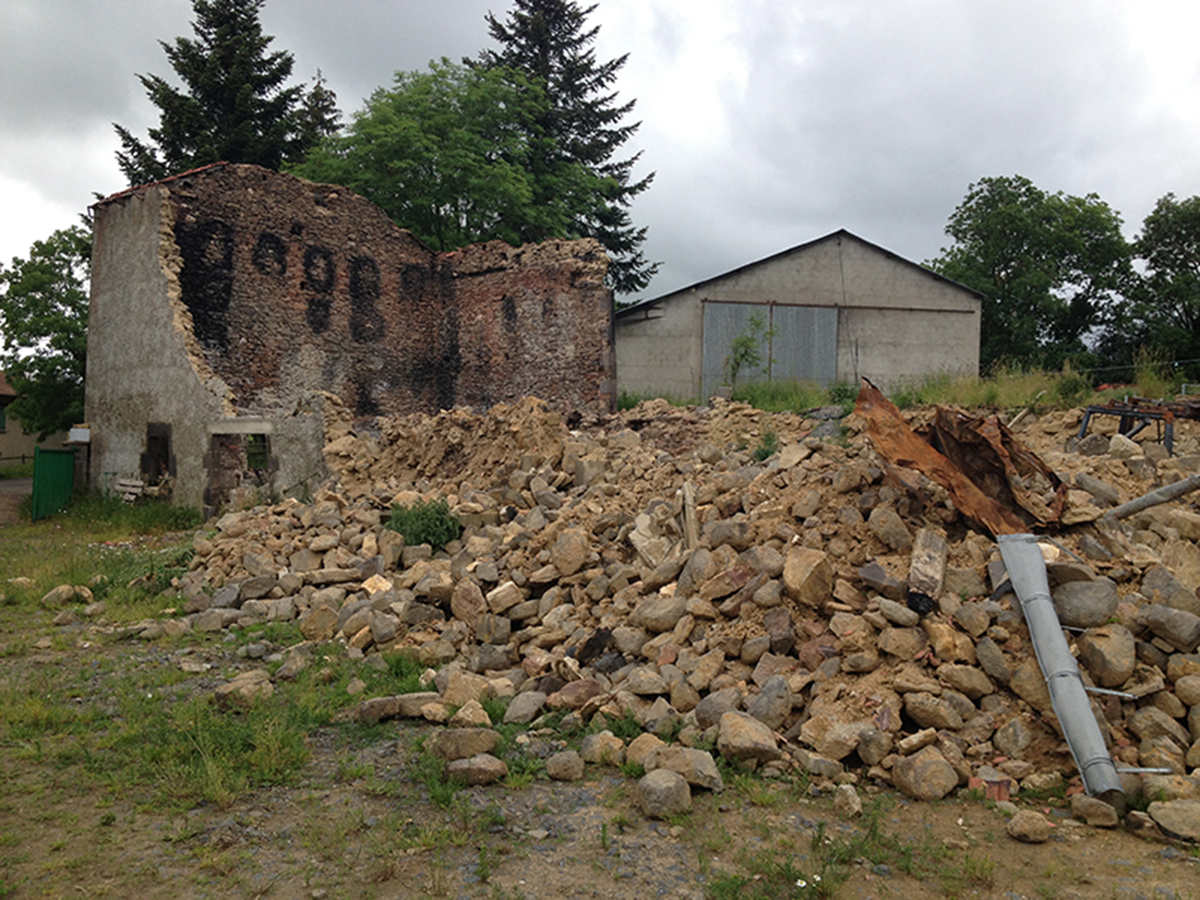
[[294, 286]]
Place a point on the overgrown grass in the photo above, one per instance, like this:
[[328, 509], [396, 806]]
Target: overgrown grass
[[16, 470], [1006, 388], [132, 733], [425, 523], [782, 396], [146, 516], [782, 870]]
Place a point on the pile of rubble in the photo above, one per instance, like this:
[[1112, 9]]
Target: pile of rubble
[[805, 608]]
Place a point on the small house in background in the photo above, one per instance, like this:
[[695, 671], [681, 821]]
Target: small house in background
[[834, 309], [16, 444]]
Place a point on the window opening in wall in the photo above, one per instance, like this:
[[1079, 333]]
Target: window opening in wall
[[258, 455]]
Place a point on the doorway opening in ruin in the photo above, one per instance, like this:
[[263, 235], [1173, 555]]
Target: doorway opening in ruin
[[158, 463], [240, 471]]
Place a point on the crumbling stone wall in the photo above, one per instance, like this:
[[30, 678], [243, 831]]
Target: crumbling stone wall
[[294, 287], [233, 306]]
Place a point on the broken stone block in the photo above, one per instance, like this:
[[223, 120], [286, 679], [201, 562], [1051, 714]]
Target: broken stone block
[[245, 690], [808, 576], [461, 743], [566, 765], [696, 766], [1109, 654], [927, 565], [925, 775], [604, 748], [876, 577], [1029, 826], [887, 525], [467, 602], [929, 711], [480, 769], [524, 707], [658, 614], [1178, 628], [504, 597], [1086, 604], [663, 793], [742, 737]]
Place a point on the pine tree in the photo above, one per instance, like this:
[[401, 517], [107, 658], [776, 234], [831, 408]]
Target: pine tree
[[234, 106], [549, 42]]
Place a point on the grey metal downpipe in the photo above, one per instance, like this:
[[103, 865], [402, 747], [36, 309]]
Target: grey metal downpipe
[[1027, 570]]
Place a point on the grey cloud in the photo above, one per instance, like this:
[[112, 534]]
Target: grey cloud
[[865, 115]]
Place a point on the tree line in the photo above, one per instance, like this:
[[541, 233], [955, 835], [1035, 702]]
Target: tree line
[[1062, 285]]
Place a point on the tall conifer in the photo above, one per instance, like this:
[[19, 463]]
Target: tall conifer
[[549, 41], [234, 105]]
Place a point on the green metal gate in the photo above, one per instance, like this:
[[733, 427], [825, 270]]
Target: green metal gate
[[53, 480]]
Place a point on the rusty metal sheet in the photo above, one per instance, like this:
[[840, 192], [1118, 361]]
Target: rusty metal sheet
[[902, 448], [999, 465]]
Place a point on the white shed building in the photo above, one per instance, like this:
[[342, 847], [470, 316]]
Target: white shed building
[[839, 308]]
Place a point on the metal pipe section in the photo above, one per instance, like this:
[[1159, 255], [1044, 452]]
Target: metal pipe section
[[1027, 569]]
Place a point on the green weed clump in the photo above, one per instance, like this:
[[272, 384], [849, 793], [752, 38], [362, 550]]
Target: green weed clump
[[782, 396], [1072, 388], [1153, 374], [628, 399], [767, 446], [843, 394], [426, 523]]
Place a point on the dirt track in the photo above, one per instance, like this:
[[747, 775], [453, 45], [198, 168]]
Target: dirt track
[[12, 492]]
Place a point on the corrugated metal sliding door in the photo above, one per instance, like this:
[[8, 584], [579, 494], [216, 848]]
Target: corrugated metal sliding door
[[722, 323], [805, 344], [53, 481], [803, 348]]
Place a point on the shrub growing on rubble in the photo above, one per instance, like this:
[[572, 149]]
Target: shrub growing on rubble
[[426, 523]]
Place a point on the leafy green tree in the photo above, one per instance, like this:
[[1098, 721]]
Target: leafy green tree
[[1162, 315], [1050, 267], [234, 106], [549, 42], [43, 319], [445, 153]]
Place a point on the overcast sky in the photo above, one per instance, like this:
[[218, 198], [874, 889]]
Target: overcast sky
[[767, 122]]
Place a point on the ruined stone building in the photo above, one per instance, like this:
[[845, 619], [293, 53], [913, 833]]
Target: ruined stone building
[[839, 307], [229, 305]]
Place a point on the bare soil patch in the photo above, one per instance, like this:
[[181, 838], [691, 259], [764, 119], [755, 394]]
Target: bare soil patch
[[12, 492]]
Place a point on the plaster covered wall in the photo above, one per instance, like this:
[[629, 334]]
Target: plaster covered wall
[[231, 300]]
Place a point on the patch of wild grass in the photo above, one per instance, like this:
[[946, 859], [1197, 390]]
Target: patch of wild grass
[[132, 731], [1153, 374], [17, 470], [430, 770], [782, 396], [146, 516], [1005, 388], [116, 548]]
